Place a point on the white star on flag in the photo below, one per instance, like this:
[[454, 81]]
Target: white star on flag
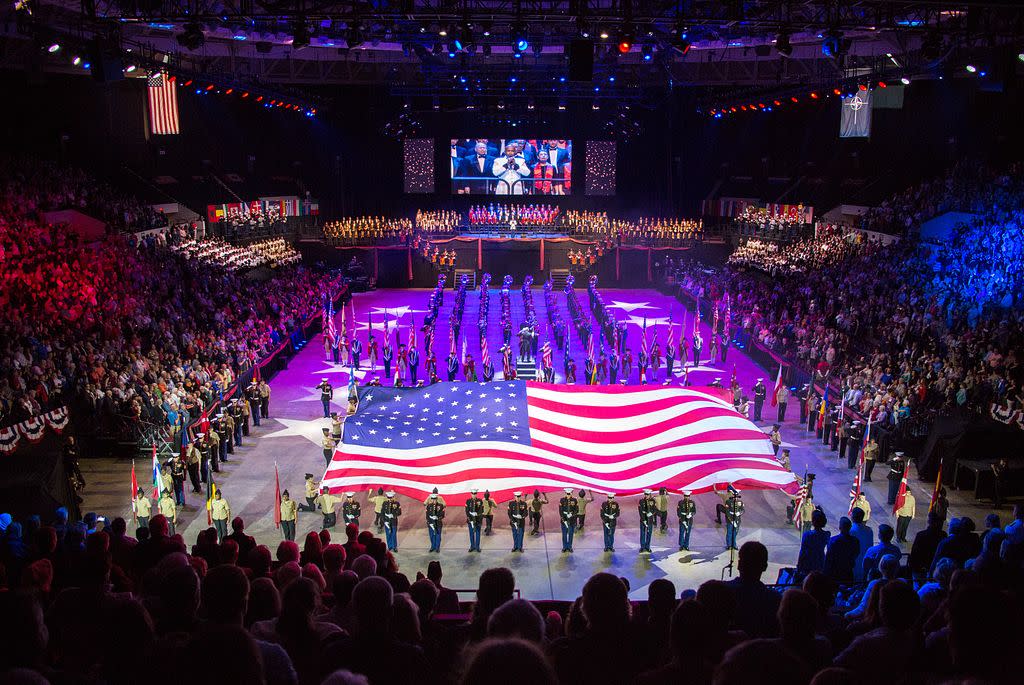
[[311, 430], [638, 321], [629, 306]]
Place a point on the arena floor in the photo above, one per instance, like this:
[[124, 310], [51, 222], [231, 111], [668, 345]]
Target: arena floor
[[290, 438]]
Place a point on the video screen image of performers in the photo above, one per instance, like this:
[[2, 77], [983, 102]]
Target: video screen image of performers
[[511, 166]]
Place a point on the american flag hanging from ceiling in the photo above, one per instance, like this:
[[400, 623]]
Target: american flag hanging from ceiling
[[163, 104], [518, 435]]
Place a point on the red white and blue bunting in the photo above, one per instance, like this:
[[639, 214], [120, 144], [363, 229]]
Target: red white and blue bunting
[[32, 429]]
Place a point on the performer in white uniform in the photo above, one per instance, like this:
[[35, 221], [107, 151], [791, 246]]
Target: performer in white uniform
[[510, 169]]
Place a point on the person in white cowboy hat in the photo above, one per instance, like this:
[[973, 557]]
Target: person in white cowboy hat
[[518, 510], [609, 519], [568, 513], [648, 510]]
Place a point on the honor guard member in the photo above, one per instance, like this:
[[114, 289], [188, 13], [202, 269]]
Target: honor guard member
[[193, 460], [518, 510], [782, 399], [854, 440], [588, 372], [802, 397], [312, 489], [377, 499], [570, 371], [336, 428], [142, 508], [568, 511], [326, 395], [327, 443], [581, 518], [548, 370], [613, 367], [453, 366], [357, 351], [435, 520], [431, 366], [661, 502], [372, 350], [488, 371], [698, 347], [670, 358], [391, 511], [178, 475], [726, 340], [760, 392], [775, 437], [474, 519], [469, 368], [414, 363], [327, 503], [252, 394], [609, 519], [289, 512], [870, 457], [490, 506], [648, 510], [227, 431], [264, 399], [686, 508], [168, 510], [205, 453], [536, 509], [236, 419], [220, 512], [386, 356], [244, 406], [350, 510], [896, 468], [213, 438], [733, 518]]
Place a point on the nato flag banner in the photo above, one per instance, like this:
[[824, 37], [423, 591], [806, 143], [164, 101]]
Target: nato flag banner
[[855, 115]]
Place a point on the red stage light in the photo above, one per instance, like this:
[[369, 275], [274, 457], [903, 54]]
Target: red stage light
[[209, 87], [761, 105], [245, 95], [733, 109], [229, 91], [273, 102], [173, 79], [187, 83], [312, 111], [837, 91], [794, 99], [862, 87], [814, 96], [882, 84], [625, 46], [778, 103], [743, 107], [259, 99]]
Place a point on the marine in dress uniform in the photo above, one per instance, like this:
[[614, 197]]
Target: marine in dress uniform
[[648, 510], [391, 510], [488, 371], [178, 470], [686, 508], [326, 395], [760, 392], [237, 418], [670, 359], [474, 519], [895, 476], [609, 519], [733, 518], [568, 511], [518, 510], [350, 510], [289, 512], [435, 521], [252, 395]]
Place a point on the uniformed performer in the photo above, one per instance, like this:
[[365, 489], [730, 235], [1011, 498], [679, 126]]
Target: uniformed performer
[[237, 417], [372, 351], [609, 519], [613, 367], [760, 392], [648, 509], [220, 512], [414, 364], [327, 443], [488, 371], [264, 399], [377, 499], [327, 503], [387, 354], [733, 518], [698, 347], [802, 397], [357, 351], [536, 509], [223, 437], [570, 371], [213, 441], [289, 512], [252, 396], [469, 368], [243, 406], [568, 511], [670, 359], [453, 366], [193, 460], [490, 506], [227, 431], [178, 472], [686, 508], [312, 489], [661, 503], [350, 510], [474, 519], [169, 510], [895, 476], [435, 520], [142, 508], [583, 500], [326, 395], [518, 510], [391, 511]]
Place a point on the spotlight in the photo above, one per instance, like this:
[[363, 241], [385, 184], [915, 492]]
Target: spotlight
[[501, 104], [862, 86], [530, 104], [443, 32], [905, 81], [595, 105], [76, 60], [883, 84], [129, 69], [970, 68], [794, 99], [192, 37], [519, 41], [836, 91], [603, 35], [625, 46], [814, 95], [487, 28], [648, 52], [55, 47], [783, 46]]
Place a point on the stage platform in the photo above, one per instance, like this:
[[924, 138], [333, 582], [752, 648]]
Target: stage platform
[[290, 439]]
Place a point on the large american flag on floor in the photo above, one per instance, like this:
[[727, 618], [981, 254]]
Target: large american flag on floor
[[162, 93], [519, 435]]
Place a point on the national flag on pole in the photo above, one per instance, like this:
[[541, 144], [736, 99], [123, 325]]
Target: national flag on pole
[[778, 386], [162, 96], [936, 489], [451, 340], [901, 494], [545, 355], [618, 439], [412, 334], [387, 333], [858, 476], [328, 320], [277, 498], [801, 497], [135, 490], [485, 354], [211, 491], [156, 474], [463, 348], [821, 409], [643, 345], [696, 318], [714, 320], [184, 431]]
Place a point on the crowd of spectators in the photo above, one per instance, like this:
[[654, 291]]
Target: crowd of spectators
[[438, 221], [128, 329], [346, 612], [829, 247], [272, 252], [363, 229]]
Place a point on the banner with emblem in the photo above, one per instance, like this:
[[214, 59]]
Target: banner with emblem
[[855, 115]]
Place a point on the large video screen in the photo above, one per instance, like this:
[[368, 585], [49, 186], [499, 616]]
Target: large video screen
[[511, 166]]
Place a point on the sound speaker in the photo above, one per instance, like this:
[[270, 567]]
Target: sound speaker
[[581, 60]]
